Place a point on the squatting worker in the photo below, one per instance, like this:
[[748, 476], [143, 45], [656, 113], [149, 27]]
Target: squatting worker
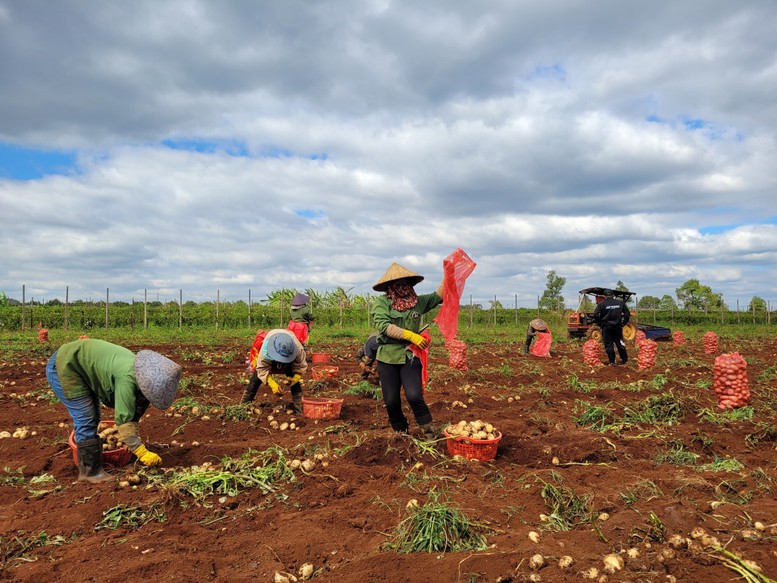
[[366, 355], [612, 314], [85, 373], [397, 316], [536, 325], [281, 354]]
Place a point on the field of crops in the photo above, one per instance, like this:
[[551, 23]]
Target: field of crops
[[602, 474]]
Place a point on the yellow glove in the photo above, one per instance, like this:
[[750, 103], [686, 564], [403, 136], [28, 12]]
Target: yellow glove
[[147, 458], [296, 379], [273, 385], [416, 339]]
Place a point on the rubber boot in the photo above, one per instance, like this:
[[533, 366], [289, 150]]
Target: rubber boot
[[296, 401], [428, 431], [90, 461], [250, 390]]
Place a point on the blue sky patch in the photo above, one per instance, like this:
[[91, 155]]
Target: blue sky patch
[[19, 163], [208, 147], [310, 214]]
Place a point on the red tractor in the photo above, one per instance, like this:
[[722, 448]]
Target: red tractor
[[581, 323]]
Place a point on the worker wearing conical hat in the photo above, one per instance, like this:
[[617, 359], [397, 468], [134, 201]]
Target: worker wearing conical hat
[[397, 316], [536, 325]]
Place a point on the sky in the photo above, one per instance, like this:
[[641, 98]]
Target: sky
[[221, 147]]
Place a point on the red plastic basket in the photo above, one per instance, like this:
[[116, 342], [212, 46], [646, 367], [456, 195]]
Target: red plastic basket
[[111, 457], [483, 450], [320, 357], [322, 373], [321, 407]]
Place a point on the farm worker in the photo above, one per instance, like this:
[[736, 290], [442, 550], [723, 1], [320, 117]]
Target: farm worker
[[366, 355], [611, 314], [536, 325], [301, 317], [281, 353], [85, 373], [397, 316]]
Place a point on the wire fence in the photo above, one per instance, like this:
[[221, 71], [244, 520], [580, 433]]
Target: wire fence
[[474, 312]]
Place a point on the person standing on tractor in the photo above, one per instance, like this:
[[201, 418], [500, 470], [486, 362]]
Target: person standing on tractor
[[87, 373], [536, 325], [611, 314], [280, 353], [397, 316]]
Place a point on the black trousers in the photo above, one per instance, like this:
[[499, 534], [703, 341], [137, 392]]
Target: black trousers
[[394, 377], [612, 337]]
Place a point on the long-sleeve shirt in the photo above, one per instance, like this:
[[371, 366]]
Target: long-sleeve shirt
[[105, 370], [393, 350], [301, 314], [266, 367], [611, 312]]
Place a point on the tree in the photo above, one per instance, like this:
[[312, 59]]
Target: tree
[[694, 295], [551, 298], [620, 286], [649, 303], [495, 305], [756, 305], [667, 303]]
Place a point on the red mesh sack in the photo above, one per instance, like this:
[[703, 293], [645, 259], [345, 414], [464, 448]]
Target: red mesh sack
[[710, 343], [730, 381], [678, 338], [591, 353], [646, 357], [541, 346], [639, 338], [457, 354], [43, 335], [299, 329], [256, 346], [457, 267]]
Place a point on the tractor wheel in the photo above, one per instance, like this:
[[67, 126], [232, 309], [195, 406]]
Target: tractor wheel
[[595, 333], [629, 331]]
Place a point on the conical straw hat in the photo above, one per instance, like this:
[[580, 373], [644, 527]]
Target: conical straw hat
[[395, 272], [538, 324]]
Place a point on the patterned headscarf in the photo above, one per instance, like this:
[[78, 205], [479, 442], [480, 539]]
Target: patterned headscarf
[[402, 295]]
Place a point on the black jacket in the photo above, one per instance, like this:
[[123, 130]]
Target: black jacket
[[611, 312]]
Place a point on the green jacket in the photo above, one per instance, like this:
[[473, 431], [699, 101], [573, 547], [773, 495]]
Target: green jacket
[[301, 313], [104, 370], [392, 350]]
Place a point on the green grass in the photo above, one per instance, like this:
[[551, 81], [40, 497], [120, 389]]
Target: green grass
[[725, 417], [676, 455], [722, 465], [566, 508]]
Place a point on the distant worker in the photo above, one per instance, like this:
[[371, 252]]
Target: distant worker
[[280, 354], [536, 325], [366, 355], [301, 317], [87, 373], [612, 314]]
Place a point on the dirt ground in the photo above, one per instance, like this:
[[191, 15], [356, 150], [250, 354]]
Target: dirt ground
[[338, 516]]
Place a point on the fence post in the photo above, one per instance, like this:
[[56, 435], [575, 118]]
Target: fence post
[[516, 309], [218, 302], [737, 312], [471, 310], [107, 298], [145, 309], [180, 307], [249, 307], [24, 299], [67, 293]]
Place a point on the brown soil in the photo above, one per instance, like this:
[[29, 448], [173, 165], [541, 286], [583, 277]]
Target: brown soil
[[338, 517]]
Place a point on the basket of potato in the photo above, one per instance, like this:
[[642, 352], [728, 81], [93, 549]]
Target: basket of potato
[[115, 452], [477, 440]]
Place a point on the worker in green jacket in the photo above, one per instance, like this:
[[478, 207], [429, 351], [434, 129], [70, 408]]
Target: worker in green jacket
[[87, 373], [397, 317]]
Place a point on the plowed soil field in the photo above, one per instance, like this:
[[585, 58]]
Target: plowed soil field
[[594, 460]]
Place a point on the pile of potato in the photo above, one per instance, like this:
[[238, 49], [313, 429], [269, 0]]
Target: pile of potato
[[475, 430], [110, 437]]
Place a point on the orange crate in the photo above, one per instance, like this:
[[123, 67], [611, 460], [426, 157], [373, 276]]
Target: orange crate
[[320, 357], [321, 407], [111, 457], [483, 450], [322, 373]]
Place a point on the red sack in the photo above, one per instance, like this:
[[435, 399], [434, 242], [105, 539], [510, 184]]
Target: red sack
[[541, 346], [646, 357], [710, 341], [591, 353], [457, 354], [423, 355], [457, 267], [730, 381], [299, 329], [256, 347]]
